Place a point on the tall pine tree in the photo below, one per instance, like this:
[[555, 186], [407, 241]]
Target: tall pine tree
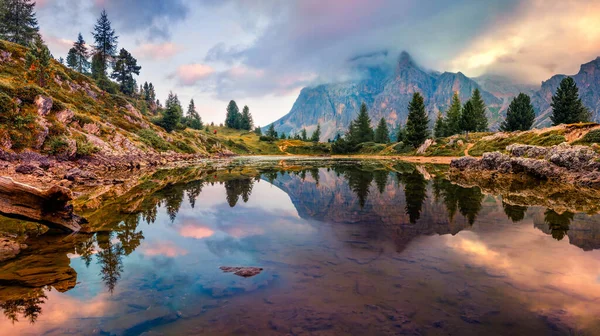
[[520, 114], [81, 55], [303, 135], [18, 23], [468, 120], [453, 116], [193, 118], [232, 119], [440, 128], [123, 71], [246, 122], [106, 43], [37, 60], [417, 123], [316, 136], [360, 129], [382, 134], [479, 111], [567, 107], [172, 113]]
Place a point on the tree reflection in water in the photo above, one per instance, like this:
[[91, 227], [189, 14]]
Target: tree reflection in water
[[466, 200], [558, 223], [28, 306], [515, 213], [415, 191]]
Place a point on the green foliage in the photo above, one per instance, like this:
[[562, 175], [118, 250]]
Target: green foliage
[[440, 129], [342, 146], [271, 133], [37, 60], [105, 44], [80, 56], [567, 107], [453, 117], [57, 145], [591, 137], [468, 120], [193, 119], [7, 105], [267, 138], [417, 123], [18, 23], [246, 122], [258, 131], [360, 129], [316, 136], [182, 146], [28, 93], [85, 148], [520, 114], [479, 111], [124, 69], [382, 134], [303, 135], [545, 139], [152, 139], [172, 113], [233, 117]]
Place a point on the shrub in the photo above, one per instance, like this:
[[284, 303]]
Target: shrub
[[57, 145], [591, 137], [85, 148], [82, 119], [267, 138], [28, 93], [152, 139], [182, 146], [7, 105]]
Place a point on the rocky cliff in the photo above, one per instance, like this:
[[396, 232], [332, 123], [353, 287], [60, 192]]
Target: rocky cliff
[[387, 91]]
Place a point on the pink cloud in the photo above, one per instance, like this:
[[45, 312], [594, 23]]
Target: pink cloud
[[197, 232], [167, 249], [157, 51], [190, 74]]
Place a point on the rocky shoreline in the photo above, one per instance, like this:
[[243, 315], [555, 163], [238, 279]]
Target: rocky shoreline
[[564, 163]]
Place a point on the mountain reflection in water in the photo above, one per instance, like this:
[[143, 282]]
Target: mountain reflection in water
[[345, 249]]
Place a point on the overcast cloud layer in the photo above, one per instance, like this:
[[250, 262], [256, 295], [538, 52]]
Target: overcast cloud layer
[[262, 52]]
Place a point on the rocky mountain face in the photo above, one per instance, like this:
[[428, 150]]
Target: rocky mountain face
[[387, 92]]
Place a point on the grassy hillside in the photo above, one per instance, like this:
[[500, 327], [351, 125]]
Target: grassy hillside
[[71, 116]]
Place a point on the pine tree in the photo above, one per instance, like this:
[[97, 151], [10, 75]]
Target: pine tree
[[106, 41], [282, 136], [520, 114], [37, 61], [303, 135], [417, 123], [360, 129], [271, 131], [151, 93], [72, 58], [123, 71], [439, 130], [18, 23], [233, 115], [401, 135], [382, 134], [258, 131], [172, 113], [479, 111], [468, 120], [453, 116], [97, 67], [193, 118], [61, 60], [316, 136], [81, 52], [567, 107], [246, 122]]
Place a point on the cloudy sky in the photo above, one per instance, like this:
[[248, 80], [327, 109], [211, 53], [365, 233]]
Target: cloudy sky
[[262, 52]]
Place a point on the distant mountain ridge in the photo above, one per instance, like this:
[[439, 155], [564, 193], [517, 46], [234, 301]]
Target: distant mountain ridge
[[387, 92]]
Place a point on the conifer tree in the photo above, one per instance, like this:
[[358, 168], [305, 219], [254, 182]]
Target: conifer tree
[[258, 131], [520, 114], [151, 93], [360, 129], [271, 132], [106, 42], [303, 135], [72, 58], [468, 120], [382, 134], [193, 118], [282, 136], [453, 116], [417, 123], [123, 71], [18, 23], [81, 55], [479, 111], [401, 134], [233, 115], [246, 122], [567, 107], [316, 136], [439, 130], [172, 113], [37, 61]]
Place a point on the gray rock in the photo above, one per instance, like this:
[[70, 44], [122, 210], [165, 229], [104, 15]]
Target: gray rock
[[65, 116], [464, 163], [493, 160], [519, 150], [25, 169], [78, 174], [44, 105], [571, 157]]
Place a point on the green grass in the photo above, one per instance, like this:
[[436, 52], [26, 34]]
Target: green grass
[[545, 139]]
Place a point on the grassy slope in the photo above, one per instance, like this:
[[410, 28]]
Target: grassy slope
[[121, 129]]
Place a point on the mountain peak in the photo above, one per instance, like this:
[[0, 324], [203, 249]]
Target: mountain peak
[[405, 60]]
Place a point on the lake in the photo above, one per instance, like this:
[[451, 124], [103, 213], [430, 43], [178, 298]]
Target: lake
[[346, 247]]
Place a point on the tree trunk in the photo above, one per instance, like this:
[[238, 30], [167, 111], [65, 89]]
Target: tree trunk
[[49, 207]]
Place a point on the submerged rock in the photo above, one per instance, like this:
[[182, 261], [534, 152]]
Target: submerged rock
[[244, 272], [9, 248]]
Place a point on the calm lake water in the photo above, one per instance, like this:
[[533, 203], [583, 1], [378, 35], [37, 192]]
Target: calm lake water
[[346, 248]]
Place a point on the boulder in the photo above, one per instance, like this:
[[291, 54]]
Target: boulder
[[464, 163], [493, 160], [529, 151], [9, 248], [42, 134], [423, 148], [78, 174], [65, 116], [44, 105], [91, 128], [571, 157], [26, 169], [244, 272]]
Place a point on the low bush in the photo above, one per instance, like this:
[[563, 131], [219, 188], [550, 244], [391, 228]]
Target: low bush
[[150, 138]]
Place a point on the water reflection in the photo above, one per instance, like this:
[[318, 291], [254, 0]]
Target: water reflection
[[191, 228]]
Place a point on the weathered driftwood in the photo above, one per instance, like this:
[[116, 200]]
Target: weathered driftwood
[[50, 207]]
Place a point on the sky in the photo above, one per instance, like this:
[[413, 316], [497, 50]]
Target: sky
[[261, 53]]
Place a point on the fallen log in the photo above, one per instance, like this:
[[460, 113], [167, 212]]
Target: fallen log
[[49, 207]]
